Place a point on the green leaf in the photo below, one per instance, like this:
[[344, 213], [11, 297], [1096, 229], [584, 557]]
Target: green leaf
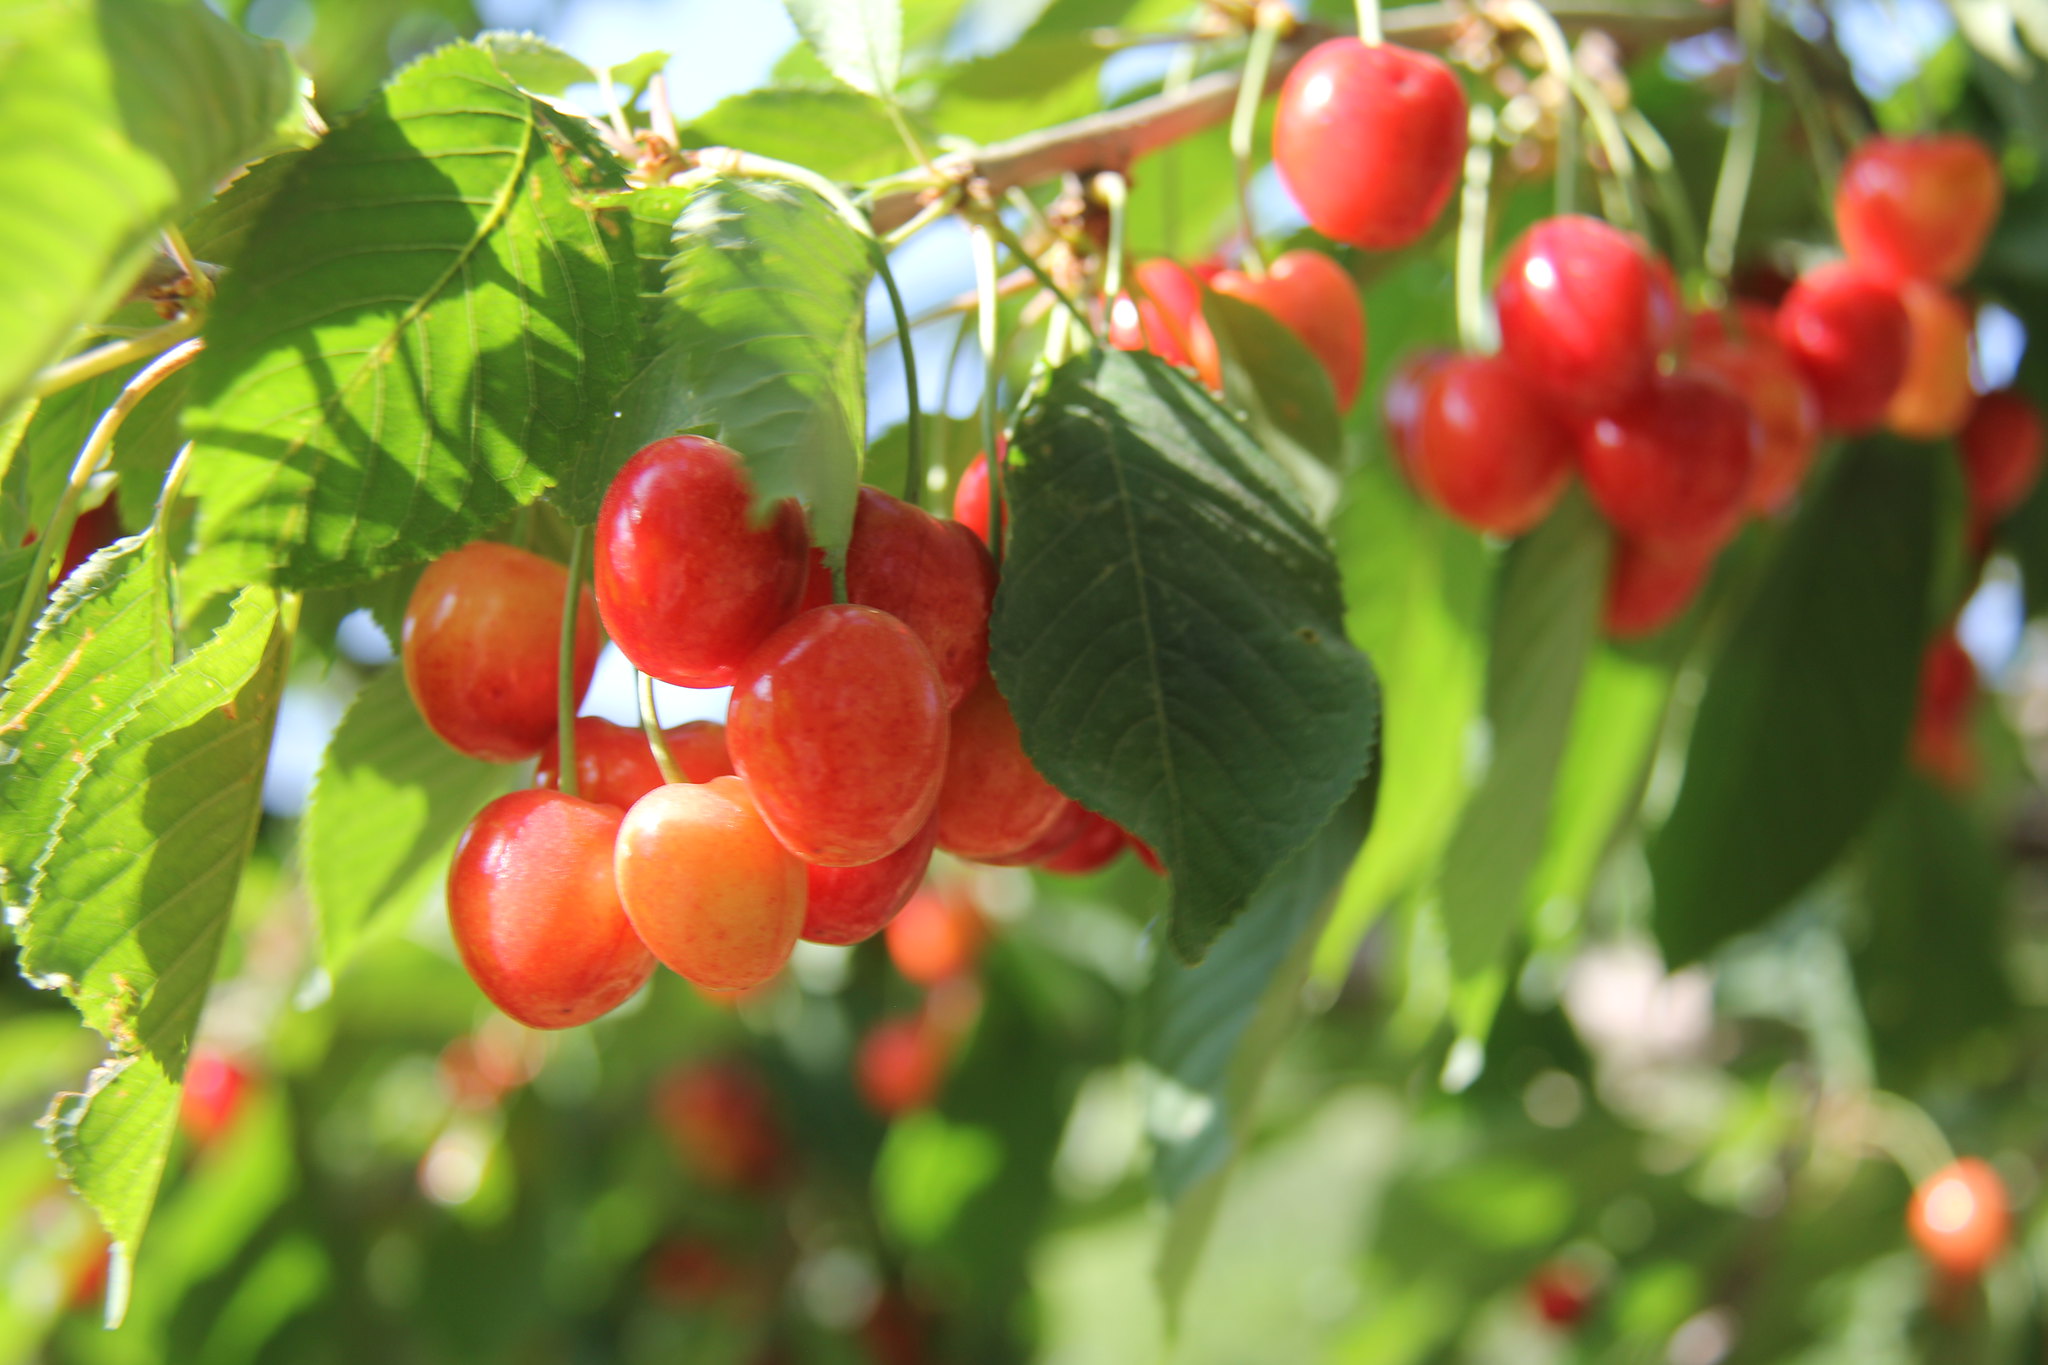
[[120, 116], [15, 565], [1804, 721], [534, 62], [859, 41], [1283, 390], [421, 334], [1169, 633], [759, 341], [783, 123], [388, 802], [110, 1139]]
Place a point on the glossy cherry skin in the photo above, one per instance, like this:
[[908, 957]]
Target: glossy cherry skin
[[1484, 449], [479, 645], [706, 885], [899, 1067], [1961, 1218], [688, 582], [1094, 847], [1162, 313], [1757, 367], [1649, 586], [1314, 298], [2001, 450], [1918, 207], [838, 723], [1673, 465], [722, 1120], [970, 498], [615, 764], [934, 576], [211, 1096], [938, 936], [1370, 140], [848, 904], [1850, 337], [1933, 399], [1585, 310], [1941, 724], [994, 803], [536, 912]]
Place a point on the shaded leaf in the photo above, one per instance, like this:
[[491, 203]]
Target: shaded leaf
[[1283, 390]]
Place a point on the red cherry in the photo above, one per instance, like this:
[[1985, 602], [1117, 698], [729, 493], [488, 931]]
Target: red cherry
[[970, 495], [1585, 310], [1961, 1218], [615, 764], [707, 886], [1649, 584], [1561, 1293], [1370, 140], [212, 1095], [818, 588], [900, 1066], [479, 644], [934, 576], [1933, 399], [1760, 371], [1163, 315], [1673, 465], [848, 904], [91, 533], [722, 1121], [1850, 336], [994, 803], [1918, 207], [938, 936], [1073, 818], [2001, 449], [687, 580], [1481, 446], [1092, 849], [536, 913], [1145, 854], [1314, 298], [1941, 724], [86, 1286], [838, 722], [1401, 401]]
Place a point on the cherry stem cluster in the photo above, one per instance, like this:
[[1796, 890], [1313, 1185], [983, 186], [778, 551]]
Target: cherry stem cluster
[[1244, 120]]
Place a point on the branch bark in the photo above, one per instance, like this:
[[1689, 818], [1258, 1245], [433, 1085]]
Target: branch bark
[[1112, 140]]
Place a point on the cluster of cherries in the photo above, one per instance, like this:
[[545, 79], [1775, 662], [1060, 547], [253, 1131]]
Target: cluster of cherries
[[860, 736]]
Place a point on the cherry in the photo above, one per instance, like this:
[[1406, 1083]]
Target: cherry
[[86, 1285], [1561, 1293], [937, 937], [994, 803], [1370, 140], [615, 764], [1401, 401], [1757, 367], [900, 1066], [214, 1087], [1145, 854], [1850, 336], [848, 904], [91, 533], [1961, 1218], [479, 645], [970, 495], [707, 886], [818, 587], [1585, 310], [2001, 450], [1918, 207], [536, 912], [722, 1121], [478, 1069], [838, 722], [1649, 584], [694, 1272], [1164, 316], [1933, 399], [1314, 298], [688, 581], [1480, 446], [1673, 465], [1941, 724], [1073, 818], [1092, 849], [934, 576]]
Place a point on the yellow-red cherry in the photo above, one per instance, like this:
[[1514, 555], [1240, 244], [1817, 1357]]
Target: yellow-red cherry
[[482, 633], [1162, 313], [1672, 466], [1918, 207], [1479, 445], [615, 764], [848, 904], [994, 803], [900, 1066], [937, 936], [1850, 337], [1585, 310], [1941, 746], [1094, 846], [2001, 448], [934, 576], [1933, 399]]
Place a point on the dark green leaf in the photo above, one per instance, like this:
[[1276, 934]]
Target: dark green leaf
[[1169, 633], [1283, 390], [859, 41]]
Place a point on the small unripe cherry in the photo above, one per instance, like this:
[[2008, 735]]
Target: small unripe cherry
[[688, 581], [535, 910], [900, 1066], [934, 576], [2001, 446], [1649, 585], [708, 887], [1758, 369], [1961, 1218], [1933, 398], [1918, 207], [994, 803], [1672, 466], [1094, 847], [722, 1120], [848, 904], [838, 723], [1850, 337], [1314, 298], [937, 936], [615, 764], [1481, 447], [1585, 310], [482, 633]]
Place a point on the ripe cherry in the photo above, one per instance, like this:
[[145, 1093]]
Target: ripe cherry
[[994, 803], [91, 533], [900, 1066], [937, 937], [1162, 314], [1933, 399], [1850, 336], [1757, 367], [722, 1121], [214, 1087], [1093, 848], [1918, 207], [934, 576], [536, 912], [479, 644], [1561, 1292], [707, 886], [1649, 584], [1941, 725], [1073, 818], [838, 722], [1401, 401], [848, 904], [2001, 449], [1673, 465], [615, 764], [1961, 1218], [1480, 446], [1314, 298], [1585, 310], [970, 495], [688, 581], [1370, 140]]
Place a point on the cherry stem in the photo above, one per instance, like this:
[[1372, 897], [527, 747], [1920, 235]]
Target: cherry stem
[[657, 740], [1537, 22], [1806, 102], [1671, 195], [939, 207], [1244, 119], [984, 239], [1738, 159], [1114, 191], [1473, 332], [913, 463], [91, 457], [98, 361], [1371, 31], [1045, 281], [1903, 1131], [181, 252], [566, 698]]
